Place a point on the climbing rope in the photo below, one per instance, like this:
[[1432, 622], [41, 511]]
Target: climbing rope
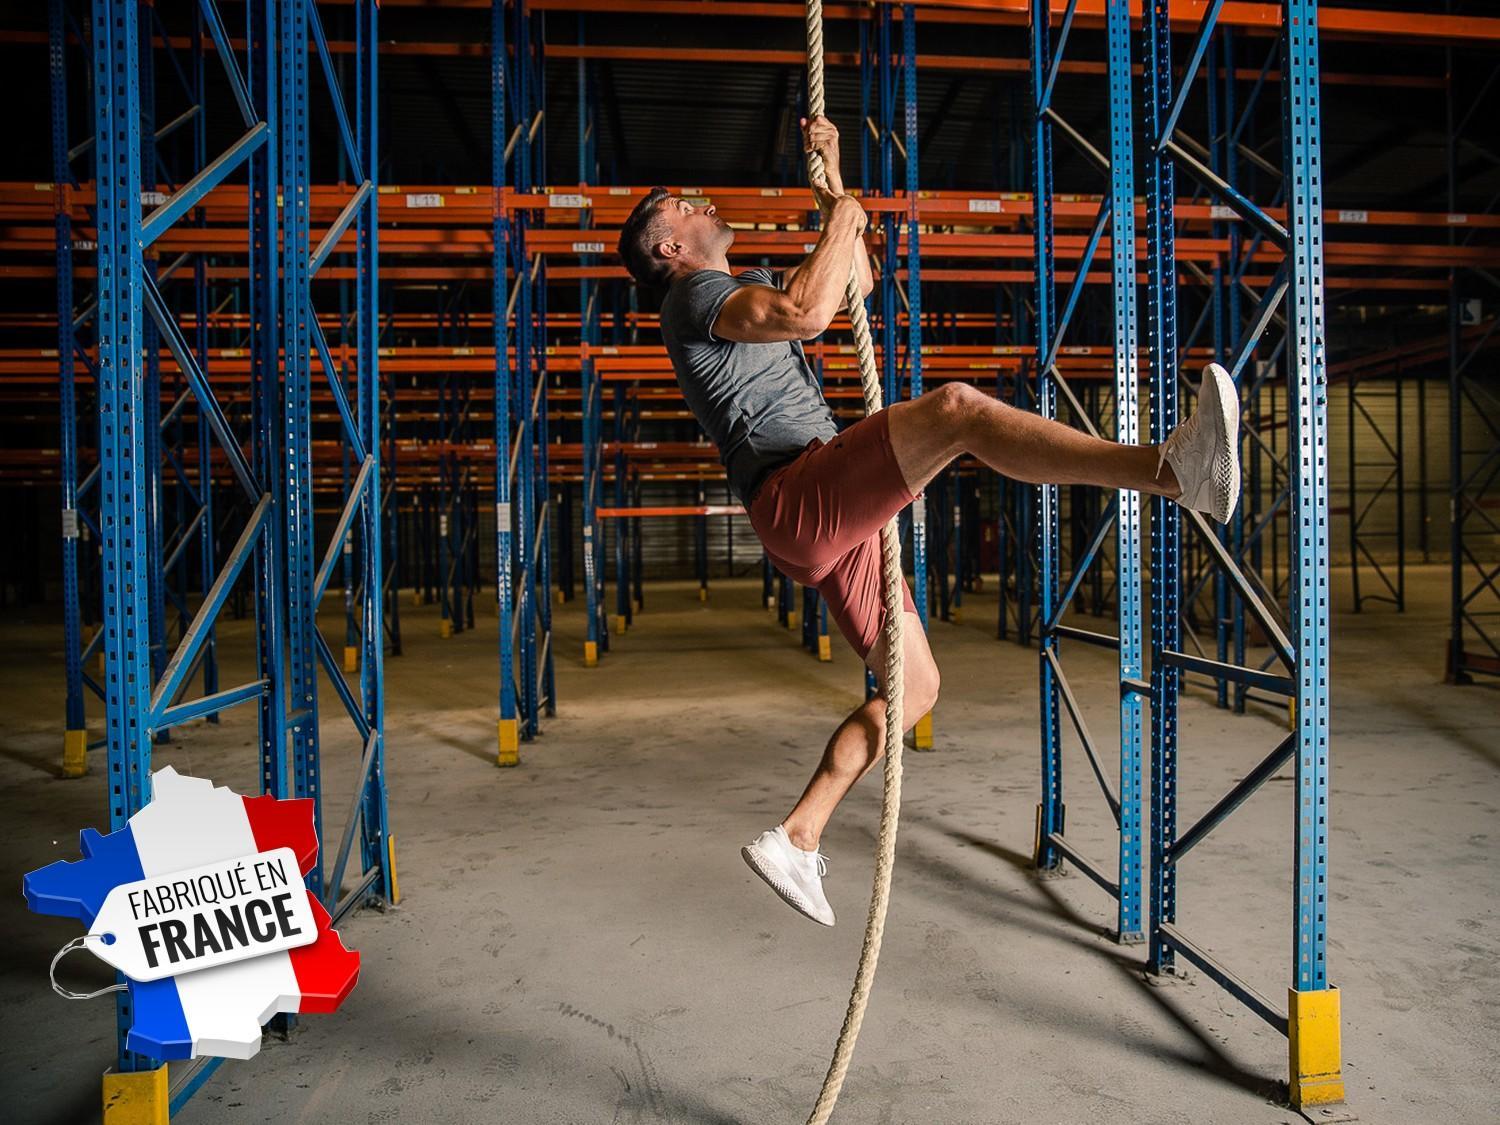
[[890, 558]]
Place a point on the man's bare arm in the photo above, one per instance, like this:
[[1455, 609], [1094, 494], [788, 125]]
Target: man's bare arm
[[861, 265], [862, 268], [811, 296], [821, 136]]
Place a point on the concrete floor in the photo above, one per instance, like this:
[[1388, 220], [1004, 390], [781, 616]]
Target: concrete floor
[[579, 941]]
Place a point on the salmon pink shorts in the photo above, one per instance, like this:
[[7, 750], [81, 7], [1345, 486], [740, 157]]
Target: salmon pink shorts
[[819, 518]]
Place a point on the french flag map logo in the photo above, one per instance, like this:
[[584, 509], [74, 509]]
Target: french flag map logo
[[199, 902]]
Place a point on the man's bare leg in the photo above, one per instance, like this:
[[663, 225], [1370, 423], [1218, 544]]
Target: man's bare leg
[[928, 432], [859, 741]]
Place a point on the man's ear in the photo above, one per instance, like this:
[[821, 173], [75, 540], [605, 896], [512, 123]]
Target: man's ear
[[667, 249]]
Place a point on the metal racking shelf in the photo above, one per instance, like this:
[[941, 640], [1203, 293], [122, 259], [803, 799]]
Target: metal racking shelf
[[572, 395]]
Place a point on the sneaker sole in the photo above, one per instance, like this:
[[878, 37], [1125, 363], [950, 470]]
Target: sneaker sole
[[1226, 498], [761, 864]]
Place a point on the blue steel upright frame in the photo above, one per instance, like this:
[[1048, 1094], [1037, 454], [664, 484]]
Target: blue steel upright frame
[[76, 523], [138, 704], [274, 479], [80, 530], [878, 69], [508, 726], [360, 432], [523, 535], [1473, 442], [596, 638], [1116, 209], [1312, 1020], [922, 736]]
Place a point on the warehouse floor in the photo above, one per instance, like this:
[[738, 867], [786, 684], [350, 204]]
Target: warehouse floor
[[578, 940]]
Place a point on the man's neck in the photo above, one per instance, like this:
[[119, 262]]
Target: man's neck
[[719, 262]]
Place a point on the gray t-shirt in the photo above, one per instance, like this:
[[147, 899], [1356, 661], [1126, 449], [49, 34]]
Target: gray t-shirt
[[759, 403]]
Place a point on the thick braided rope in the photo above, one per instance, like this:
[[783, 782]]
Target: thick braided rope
[[890, 558]]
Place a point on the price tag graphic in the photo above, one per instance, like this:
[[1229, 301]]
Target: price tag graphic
[[205, 916]]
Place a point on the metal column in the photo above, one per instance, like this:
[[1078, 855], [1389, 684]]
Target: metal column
[[1311, 1020], [1116, 209]]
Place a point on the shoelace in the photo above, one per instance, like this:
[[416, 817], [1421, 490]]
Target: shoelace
[[1183, 433], [822, 861]]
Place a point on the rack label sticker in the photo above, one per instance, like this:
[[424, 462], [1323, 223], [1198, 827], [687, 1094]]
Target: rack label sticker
[[424, 200], [85, 244], [986, 206], [573, 200], [153, 198], [619, 191], [502, 515], [1219, 211], [204, 917], [588, 247], [70, 523], [770, 192], [1457, 220], [1354, 216]]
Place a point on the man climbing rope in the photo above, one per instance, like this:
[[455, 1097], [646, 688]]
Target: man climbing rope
[[817, 497]]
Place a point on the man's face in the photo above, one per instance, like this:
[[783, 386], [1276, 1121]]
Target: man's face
[[696, 232]]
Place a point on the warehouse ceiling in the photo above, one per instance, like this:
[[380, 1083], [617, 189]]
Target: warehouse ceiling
[[687, 122]]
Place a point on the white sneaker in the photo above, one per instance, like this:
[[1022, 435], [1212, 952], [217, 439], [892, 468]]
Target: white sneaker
[[796, 875], [1204, 451]]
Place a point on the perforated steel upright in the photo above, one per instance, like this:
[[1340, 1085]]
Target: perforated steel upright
[[1117, 209], [1050, 809], [545, 690], [377, 843], [596, 638], [358, 431], [922, 731], [1473, 427], [508, 725], [122, 450], [517, 49], [296, 403], [75, 728], [136, 705], [1311, 1021]]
